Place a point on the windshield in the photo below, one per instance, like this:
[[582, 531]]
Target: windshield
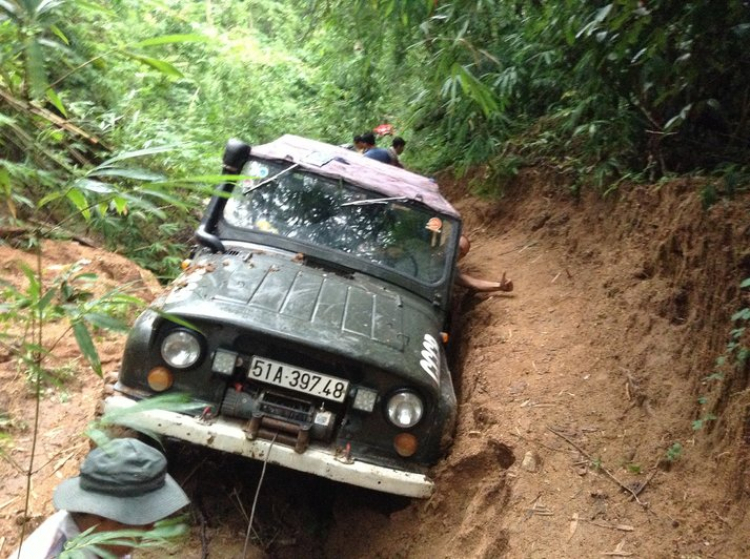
[[287, 201]]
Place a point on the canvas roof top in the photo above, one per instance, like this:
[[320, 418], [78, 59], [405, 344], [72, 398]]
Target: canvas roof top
[[338, 162]]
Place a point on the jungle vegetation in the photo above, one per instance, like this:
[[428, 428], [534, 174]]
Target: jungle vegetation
[[113, 114]]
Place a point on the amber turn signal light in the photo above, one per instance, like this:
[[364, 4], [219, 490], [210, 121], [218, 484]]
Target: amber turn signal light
[[160, 379], [405, 444], [444, 336]]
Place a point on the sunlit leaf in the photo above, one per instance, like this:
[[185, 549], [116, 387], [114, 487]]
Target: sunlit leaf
[[120, 204], [51, 197], [135, 201], [57, 31], [160, 65], [56, 101], [166, 39], [41, 7], [138, 153], [128, 416], [177, 320], [134, 174], [80, 202], [96, 187]]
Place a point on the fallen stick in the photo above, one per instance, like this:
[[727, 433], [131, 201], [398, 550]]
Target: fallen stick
[[610, 475], [6, 503], [602, 524], [643, 485], [619, 551]]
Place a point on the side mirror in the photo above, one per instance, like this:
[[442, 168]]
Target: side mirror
[[236, 154]]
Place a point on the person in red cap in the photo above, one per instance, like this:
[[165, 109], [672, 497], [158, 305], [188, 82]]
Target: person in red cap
[[123, 485]]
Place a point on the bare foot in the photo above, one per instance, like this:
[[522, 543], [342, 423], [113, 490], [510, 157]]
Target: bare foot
[[506, 284]]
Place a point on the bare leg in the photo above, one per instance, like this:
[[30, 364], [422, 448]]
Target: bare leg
[[476, 284]]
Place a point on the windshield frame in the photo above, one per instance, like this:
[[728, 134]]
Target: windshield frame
[[437, 291]]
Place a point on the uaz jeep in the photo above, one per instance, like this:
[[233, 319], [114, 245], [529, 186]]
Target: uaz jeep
[[309, 327]]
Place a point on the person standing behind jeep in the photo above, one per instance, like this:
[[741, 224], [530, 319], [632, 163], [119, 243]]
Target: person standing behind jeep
[[397, 148], [372, 151]]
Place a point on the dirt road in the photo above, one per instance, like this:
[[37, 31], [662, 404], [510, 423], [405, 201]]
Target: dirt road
[[578, 396]]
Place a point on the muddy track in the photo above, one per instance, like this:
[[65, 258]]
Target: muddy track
[[573, 391]]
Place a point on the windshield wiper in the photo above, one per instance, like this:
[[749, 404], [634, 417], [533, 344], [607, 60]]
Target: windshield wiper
[[248, 189], [371, 201]]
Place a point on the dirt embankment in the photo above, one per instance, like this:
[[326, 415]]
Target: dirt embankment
[[593, 420]]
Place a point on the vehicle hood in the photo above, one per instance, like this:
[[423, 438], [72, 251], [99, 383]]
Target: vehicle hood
[[355, 316]]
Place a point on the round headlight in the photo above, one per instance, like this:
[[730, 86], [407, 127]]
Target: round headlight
[[181, 349], [405, 409]]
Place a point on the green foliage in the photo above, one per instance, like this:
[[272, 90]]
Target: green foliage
[[736, 349], [67, 298], [617, 89], [623, 87], [163, 533], [99, 430], [708, 195], [700, 423], [674, 452], [634, 468]]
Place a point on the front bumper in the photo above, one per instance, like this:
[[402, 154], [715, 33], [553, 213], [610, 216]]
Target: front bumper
[[226, 434]]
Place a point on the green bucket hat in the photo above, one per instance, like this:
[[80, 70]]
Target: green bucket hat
[[125, 480]]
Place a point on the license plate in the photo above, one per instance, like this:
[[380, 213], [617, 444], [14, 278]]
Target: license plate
[[300, 380]]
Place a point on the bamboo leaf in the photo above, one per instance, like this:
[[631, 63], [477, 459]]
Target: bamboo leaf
[[138, 153], [51, 197], [135, 174], [96, 187], [177, 402], [46, 6], [161, 65], [173, 200], [35, 287], [46, 298], [58, 32], [56, 101], [80, 202], [475, 89], [139, 202], [120, 204], [86, 345], [9, 8], [166, 39], [177, 320], [106, 322]]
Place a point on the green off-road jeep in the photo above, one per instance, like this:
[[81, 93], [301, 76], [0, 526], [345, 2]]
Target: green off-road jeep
[[309, 327]]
